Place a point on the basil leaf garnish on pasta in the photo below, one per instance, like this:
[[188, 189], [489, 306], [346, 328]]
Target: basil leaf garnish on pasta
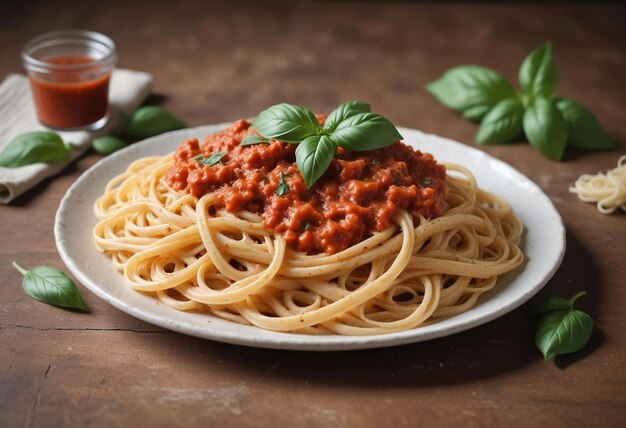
[[283, 188], [350, 126], [562, 329], [34, 147], [251, 139], [549, 123], [214, 159], [344, 111], [107, 145], [49, 285], [287, 122]]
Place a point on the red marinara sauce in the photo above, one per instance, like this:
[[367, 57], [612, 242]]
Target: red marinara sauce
[[358, 195], [69, 99]]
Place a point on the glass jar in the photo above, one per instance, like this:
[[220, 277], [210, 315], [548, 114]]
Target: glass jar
[[69, 73]]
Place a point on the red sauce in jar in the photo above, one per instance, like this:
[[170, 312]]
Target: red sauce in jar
[[358, 195], [72, 98]]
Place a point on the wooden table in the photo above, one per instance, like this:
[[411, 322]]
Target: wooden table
[[219, 62]]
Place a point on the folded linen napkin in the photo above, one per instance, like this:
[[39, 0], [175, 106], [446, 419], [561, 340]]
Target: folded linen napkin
[[127, 91]]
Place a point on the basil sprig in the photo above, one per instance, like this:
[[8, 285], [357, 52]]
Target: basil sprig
[[550, 123], [562, 329], [34, 147], [49, 285], [351, 126]]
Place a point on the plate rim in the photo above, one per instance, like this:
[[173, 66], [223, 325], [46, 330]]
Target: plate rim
[[292, 341]]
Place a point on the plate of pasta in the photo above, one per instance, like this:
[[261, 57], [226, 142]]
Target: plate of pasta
[[210, 232]]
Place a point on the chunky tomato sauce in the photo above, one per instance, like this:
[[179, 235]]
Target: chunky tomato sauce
[[358, 194]]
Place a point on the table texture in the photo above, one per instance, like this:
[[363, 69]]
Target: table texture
[[215, 62]]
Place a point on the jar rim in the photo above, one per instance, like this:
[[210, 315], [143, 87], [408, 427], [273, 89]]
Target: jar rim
[[92, 39]]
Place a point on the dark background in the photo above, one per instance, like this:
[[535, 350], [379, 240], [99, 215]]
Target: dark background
[[215, 62]]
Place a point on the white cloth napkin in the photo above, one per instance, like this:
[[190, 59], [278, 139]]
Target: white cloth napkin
[[127, 91]]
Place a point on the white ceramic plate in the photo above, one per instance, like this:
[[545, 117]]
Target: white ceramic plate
[[543, 245]]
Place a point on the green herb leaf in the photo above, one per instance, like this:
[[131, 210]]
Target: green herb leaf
[[252, 139], [471, 89], [563, 329], [546, 128], [107, 145], [344, 111], [34, 147], [287, 122], [49, 285], [151, 120], [282, 188], [365, 131], [313, 155], [307, 226], [585, 132], [550, 304], [502, 123], [538, 74], [215, 158]]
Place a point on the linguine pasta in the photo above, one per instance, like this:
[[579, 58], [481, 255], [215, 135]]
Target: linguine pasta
[[193, 255]]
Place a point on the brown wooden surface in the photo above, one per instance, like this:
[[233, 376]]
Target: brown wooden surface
[[219, 62]]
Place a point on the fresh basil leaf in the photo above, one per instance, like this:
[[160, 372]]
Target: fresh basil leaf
[[49, 285], [282, 188], [502, 123], [550, 304], [107, 145], [546, 128], [471, 89], [149, 121], [344, 111], [563, 332], [313, 156], [252, 139], [287, 122], [214, 159], [34, 147], [538, 74], [585, 132], [365, 131]]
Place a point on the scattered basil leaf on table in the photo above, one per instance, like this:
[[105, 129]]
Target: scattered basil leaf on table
[[585, 132], [282, 188], [107, 145], [471, 90], [545, 128], [502, 123], [563, 330], [484, 95], [149, 121], [538, 75], [252, 139], [214, 159], [352, 126], [49, 285], [34, 147], [365, 131], [549, 304]]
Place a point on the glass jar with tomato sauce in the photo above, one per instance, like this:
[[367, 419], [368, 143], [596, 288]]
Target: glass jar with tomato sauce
[[69, 73]]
